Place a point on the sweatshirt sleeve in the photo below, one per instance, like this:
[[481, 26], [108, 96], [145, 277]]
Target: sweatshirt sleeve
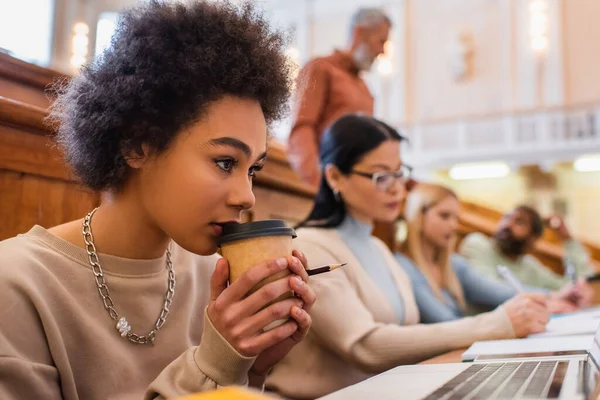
[[478, 288], [343, 324], [27, 379], [27, 368], [212, 364], [543, 276], [431, 308]]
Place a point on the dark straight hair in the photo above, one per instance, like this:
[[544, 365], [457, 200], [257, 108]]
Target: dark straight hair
[[344, 143]]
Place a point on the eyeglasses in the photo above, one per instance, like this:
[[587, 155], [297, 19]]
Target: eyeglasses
[[384, 180]]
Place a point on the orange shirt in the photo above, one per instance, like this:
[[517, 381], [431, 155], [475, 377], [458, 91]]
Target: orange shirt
[[328, 87]]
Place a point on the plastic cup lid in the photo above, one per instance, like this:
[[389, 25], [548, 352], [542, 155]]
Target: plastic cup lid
[[273, 227]]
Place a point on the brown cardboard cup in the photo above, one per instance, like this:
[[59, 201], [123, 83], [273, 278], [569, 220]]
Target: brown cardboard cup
[[247, 245]]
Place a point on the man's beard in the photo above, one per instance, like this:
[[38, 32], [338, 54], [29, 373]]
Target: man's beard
[[362, 59], [509, 245]]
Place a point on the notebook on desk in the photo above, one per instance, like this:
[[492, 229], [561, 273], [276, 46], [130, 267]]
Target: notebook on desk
[[561, 374], [568, 326], [529, 347], [572, 333]]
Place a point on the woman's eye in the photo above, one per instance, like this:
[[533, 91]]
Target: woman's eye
[[225, 165], [253, 170]]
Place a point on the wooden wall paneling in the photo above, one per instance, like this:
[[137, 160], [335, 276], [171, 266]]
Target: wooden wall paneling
[[27, 200], [35, 185], [386, 232], [32, 154]]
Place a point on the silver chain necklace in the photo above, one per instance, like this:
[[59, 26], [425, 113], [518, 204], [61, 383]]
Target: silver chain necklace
[[122, 325]]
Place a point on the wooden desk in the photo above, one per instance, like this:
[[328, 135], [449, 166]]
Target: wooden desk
[[450, 357]]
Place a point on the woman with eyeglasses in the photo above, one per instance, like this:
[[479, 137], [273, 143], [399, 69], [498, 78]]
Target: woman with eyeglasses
[[446, 287], [366, 320]]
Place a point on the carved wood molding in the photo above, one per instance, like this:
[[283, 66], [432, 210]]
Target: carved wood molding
[[23, 116], [30, 74]]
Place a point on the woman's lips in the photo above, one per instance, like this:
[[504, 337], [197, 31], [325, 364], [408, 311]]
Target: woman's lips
[[218, 226], [217, 229], [394, 206]]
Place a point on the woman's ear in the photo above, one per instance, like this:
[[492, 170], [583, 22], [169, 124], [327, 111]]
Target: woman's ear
[[333, 176], [136, 158]]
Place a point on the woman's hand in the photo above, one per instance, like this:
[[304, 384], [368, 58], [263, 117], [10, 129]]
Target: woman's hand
[[560, 306], [557, 224], [240, 318], [584, 293], [580, 294], [528, 313]]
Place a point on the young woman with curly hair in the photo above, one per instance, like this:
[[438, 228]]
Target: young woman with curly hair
[[169, 125]]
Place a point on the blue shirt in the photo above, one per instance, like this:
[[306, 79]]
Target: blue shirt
[[478, 290], [357, 236]]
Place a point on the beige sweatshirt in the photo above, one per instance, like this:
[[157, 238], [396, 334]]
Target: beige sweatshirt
[[58, 342], [355, 333]]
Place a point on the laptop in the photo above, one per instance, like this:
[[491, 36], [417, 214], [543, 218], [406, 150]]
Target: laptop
[[571, 375]]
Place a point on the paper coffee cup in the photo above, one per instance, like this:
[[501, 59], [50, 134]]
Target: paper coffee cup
[[247, 245]]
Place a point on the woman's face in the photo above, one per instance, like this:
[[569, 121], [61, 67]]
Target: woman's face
[[440, 222], [205, 178], [363, 200]]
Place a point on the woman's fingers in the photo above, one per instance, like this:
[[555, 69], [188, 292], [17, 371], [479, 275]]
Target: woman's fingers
[[259, 343], [218, 280], [241, 316], [538, 298], [240, 288], [304, 291], [297, 268], [300, 256], [256, 323], [304, 322], [266, 294]]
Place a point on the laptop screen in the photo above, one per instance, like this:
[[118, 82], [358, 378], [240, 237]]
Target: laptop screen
[[595, 349]]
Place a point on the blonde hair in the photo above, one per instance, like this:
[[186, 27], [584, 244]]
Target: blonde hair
[[418, 202]]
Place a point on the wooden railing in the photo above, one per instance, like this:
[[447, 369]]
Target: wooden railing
[[25, 82]]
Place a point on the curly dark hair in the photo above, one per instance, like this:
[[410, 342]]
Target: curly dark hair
[[165, 65]]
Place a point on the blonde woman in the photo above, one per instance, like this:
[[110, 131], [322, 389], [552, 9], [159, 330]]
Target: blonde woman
[[446, 287]]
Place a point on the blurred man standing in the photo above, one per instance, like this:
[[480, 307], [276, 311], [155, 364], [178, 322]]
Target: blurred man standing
[[329, 87]]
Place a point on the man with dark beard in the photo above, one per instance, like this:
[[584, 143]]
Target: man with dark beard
[[515, 236]]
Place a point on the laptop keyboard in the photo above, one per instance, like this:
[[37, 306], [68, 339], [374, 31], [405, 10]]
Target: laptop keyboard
[[511, 380]]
